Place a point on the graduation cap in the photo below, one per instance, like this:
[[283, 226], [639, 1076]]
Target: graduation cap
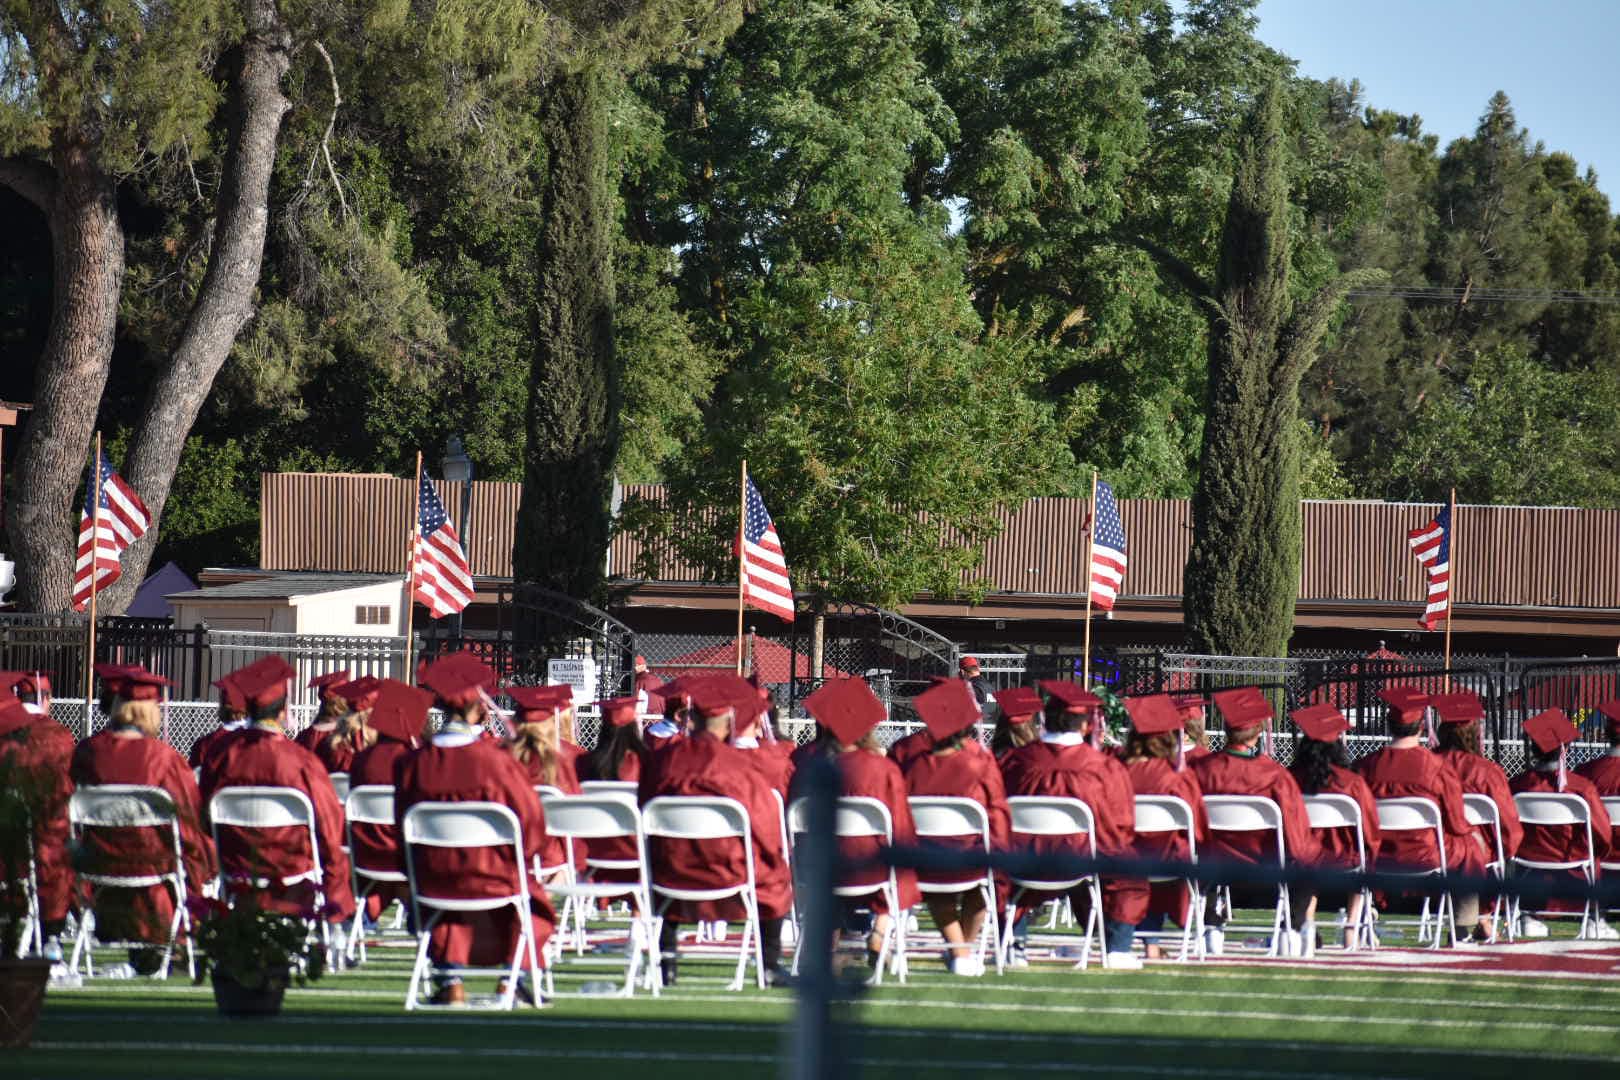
[[361, 693], [229, 693], [1244, 707], [266, 684], [1018, 701], [1407, 702], [846, 707], [459, 679], [399, 711], [1324, 723], [677, 689], [947, 708], [543, 702], [1153, 714], [1550, 730], [1072, 696], [1460, 707], [1189, 702], [1611, 710], [142, 685], [617, 711], [328, 683], [716, 694]]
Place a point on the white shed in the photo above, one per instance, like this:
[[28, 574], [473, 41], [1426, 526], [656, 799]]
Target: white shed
[[367, 605]]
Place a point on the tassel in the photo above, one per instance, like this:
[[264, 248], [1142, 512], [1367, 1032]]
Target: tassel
[[1563, 768], [1181, 752], [1270, 746]]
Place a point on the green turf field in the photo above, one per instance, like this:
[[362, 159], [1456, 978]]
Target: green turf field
[[1171, 1020]]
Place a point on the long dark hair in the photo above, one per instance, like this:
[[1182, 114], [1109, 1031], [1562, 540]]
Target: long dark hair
[[1314, 761], [616, 740]]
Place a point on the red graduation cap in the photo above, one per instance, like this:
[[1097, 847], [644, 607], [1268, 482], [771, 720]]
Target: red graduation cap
[[1072, 696], [142, 685], [266, 683], [713, 695], [676, 689], [229, 692], [1153, 714], [1243, 707], [1408, 702], [361, 693], [1323, 722], [399, 710], [535, 703], [846, 707], [1611, 710], [459, 679], [1551, 729], [617, 711], [1186, 703], [1018, 702], [328, 683], [947, 708], [1459, 707]]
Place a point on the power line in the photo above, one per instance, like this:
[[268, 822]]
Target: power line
[[1487, 295]]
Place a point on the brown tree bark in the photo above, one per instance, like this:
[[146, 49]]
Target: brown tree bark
[[79, 201], [225, 300]]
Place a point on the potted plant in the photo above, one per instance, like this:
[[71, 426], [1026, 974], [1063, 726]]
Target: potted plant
[[253, 955], [25, 792]]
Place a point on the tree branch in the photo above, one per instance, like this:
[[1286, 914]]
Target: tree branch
[[1179, 273], [33, 180], [1304, 331], [331, 124]]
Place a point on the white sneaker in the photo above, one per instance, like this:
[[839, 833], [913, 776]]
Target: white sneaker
[[1307, 941], [970, 967], [1602, 931], [1122, 961], [1215, 941], [1288, 943], [1018, 955], [1531, 927]]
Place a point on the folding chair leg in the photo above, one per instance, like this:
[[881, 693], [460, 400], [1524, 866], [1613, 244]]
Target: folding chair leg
[[81, 940], [990, 932], [420, 967]]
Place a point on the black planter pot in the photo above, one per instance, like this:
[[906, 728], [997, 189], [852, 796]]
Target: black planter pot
[[247, 1003], [22, 995]]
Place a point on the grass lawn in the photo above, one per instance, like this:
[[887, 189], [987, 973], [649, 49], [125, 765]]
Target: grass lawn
[[1223, 1020]]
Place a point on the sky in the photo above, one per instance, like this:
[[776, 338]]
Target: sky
[[1443, 59]]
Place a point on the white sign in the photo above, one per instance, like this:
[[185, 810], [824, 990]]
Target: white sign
[[580, 674]]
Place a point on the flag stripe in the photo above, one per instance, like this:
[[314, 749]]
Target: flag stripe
[[439, 568], [120, 518], [1108, 549], [765, 583], [1431, 544]]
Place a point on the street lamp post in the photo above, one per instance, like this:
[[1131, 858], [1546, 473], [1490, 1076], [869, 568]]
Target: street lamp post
[[458, 468]]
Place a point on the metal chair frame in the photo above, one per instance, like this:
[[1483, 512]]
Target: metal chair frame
[[1336, 811], [1160, 814], [1483, 811], [857, 817], [1056, 816], [1253, 813], [957, 816], [363, 805], [1550, 808], [1413, 813]]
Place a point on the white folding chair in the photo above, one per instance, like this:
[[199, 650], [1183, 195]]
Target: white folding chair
[[1611, 804], [1249, 814], [1549, 809], [1164, 814], [340, 785], [859, 817], [1330, 811], [556, 875], [1055, 816], [940, 816], [130, 806], [33, 935], [1415, 814], [599, 787], [1483, 812], [368, 804], [464, 825], [705, 819], [787, 860], [605, 815], [253, 807]]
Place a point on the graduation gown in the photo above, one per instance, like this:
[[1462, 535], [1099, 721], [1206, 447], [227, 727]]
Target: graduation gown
[[458, 767], [142, 914], [617, 847], [40, 743], [1158, 776], [1057, 766], [1417, 772], [335, 758], [905, 750], [210, 744], [702, 764], [1232, 774], [566, 781], [1482, 776], [1605, 776], [264, 757], [315, 734], [970, 774], [1564, 843], [1339, 845], [874, 776], [376, 847]]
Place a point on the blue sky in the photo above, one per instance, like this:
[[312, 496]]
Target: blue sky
[[1443, 59]]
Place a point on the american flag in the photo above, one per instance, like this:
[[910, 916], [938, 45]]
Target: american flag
[[1431, 544], [1107, 550], [105, 530], [442, 580], [765, 582]]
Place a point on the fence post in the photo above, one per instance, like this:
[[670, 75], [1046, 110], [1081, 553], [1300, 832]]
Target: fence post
[[813, 1052]]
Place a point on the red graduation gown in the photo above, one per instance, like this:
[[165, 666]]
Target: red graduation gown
[[142, 914], [38, 742], [702, 764], [264, 757], [970, 774], [376, 847], [1605, 776], [211, 743], [315, 734], [873, 776], [1415, 771], [1564, 843], [1339, 845], [1078, 771], [620, 847], [1483, 776], [477, 771], [1230, 774], [566, 781], [905, 750], [1157, 776]]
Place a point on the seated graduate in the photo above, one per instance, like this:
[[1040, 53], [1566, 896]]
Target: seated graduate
[[350, 733], [1322, 767], [395, 725], [332, 706], [1604, 772], [1459, 714], [1547, 734], [1155, 756], [549, 759], [34, 742], [1018, 722]]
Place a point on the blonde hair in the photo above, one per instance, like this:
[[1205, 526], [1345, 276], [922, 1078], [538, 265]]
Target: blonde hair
[[332, 708], [1194, 728], [352, 732], [145, 716], [537, 740]]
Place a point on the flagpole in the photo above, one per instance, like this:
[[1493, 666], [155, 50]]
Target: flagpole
[[410, 565], [742, 557], [95, 573], [1091, 554], [1452, 562]]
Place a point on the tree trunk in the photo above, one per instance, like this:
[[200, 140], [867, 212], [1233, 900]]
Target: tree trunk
[[225, 300], [87, 268], [573, 408]]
